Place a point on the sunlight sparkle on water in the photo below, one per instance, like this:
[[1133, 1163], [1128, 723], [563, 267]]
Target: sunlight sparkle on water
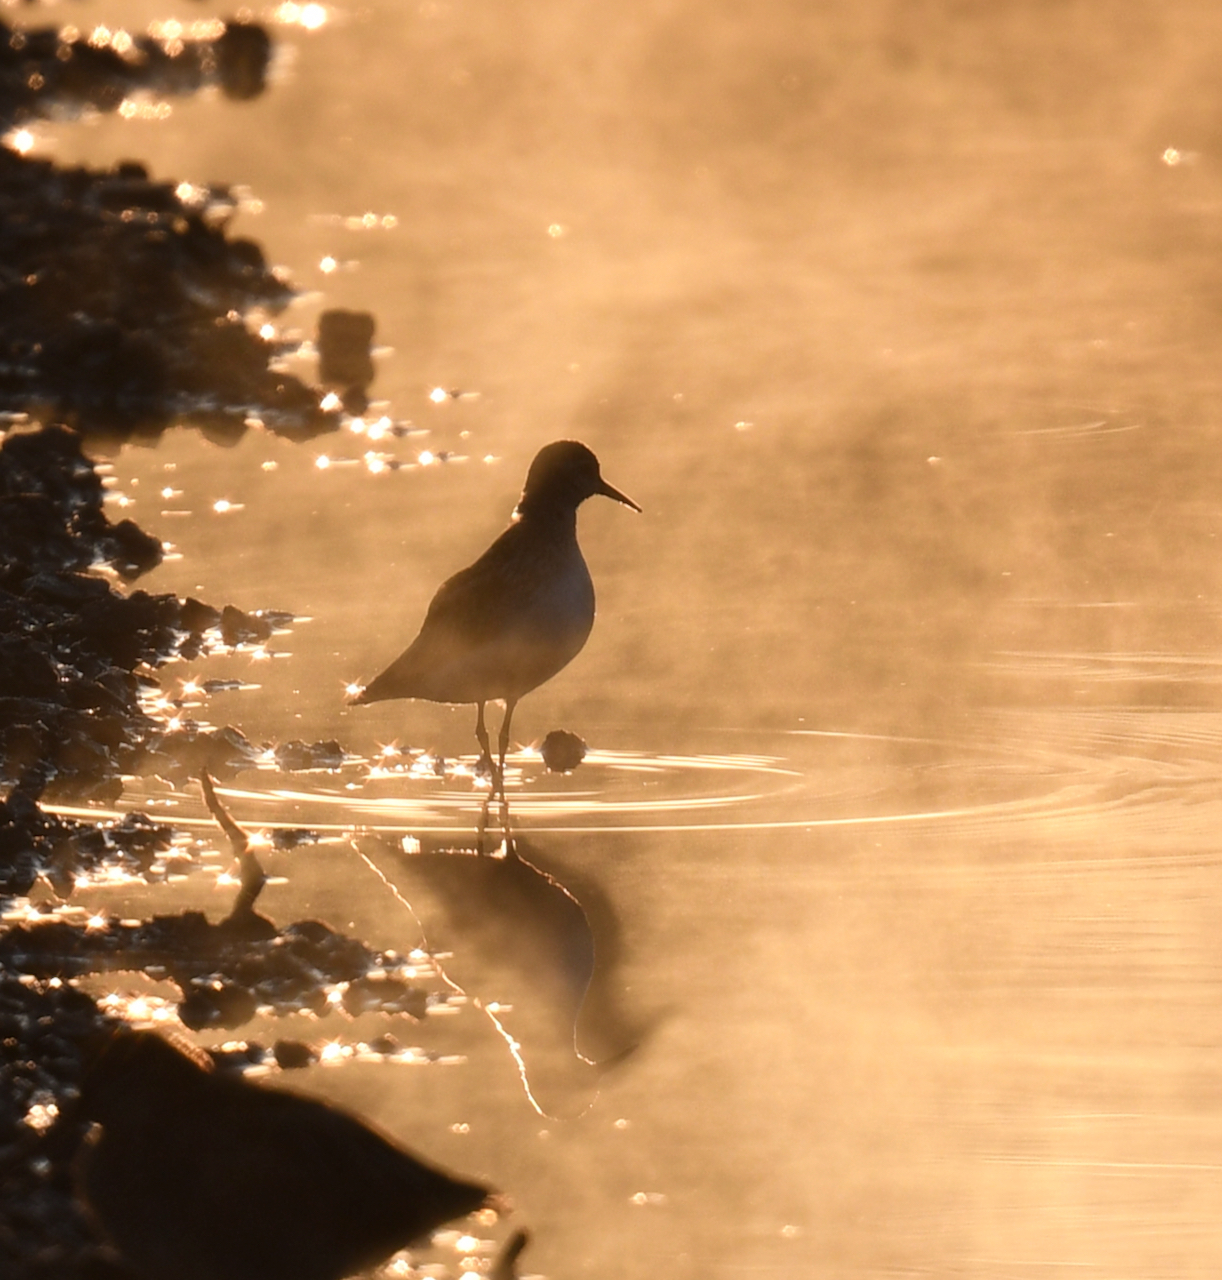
[[439, 395], [130, 109], [322, 462], [41, 1114], [427, 458], [309, 16], [647, 1198], [330, 402], [327, 265], [19, 140]]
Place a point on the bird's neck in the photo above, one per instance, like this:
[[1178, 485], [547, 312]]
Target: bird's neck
[[548, 518]]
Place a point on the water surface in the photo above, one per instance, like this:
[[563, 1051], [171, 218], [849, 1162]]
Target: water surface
[[900, 322]]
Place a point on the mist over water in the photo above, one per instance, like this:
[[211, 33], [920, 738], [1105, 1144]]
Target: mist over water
[[899, 828]]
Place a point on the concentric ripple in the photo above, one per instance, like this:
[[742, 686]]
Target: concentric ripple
[[1067, 766]]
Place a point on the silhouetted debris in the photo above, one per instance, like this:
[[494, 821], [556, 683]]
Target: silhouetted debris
[[200, 1174], [505, 1266], [562, 751], [44, 72], [295, 756], [122, 305], [225, 971]]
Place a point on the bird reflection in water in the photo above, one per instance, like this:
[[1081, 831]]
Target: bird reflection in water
[[537, 946], [513, 619], [198, 1175]]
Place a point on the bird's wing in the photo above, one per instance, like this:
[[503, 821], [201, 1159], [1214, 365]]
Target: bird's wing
[[474, 602]]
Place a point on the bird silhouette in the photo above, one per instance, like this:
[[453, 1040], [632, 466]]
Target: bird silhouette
[[519, 614], [197, 1175]]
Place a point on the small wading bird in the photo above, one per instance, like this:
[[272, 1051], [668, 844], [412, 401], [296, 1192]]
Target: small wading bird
[[501, 627]]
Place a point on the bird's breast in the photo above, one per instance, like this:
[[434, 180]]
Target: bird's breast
[[561, 603]]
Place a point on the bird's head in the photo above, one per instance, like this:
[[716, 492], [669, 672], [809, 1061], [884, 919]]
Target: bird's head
[[562, 476]]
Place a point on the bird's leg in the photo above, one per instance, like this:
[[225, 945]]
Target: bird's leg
[[483, 822], [503, 746], [481, 732], [506, 829]]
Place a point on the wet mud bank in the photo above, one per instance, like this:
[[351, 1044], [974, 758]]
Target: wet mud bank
[[126, 309]]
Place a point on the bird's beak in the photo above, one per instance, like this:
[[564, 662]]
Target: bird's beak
[[610, 491]]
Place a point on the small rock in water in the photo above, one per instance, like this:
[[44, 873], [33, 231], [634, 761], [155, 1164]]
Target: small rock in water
[[293, 1055], [562, 751]]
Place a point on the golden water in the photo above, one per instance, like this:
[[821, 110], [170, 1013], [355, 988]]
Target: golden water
[[901, 323]]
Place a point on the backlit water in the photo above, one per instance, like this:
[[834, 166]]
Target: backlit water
[[899, 835]]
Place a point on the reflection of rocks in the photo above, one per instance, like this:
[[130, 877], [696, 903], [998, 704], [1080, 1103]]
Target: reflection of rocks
[[199, 1175], [121, 309], [345, 362], [45, 71]]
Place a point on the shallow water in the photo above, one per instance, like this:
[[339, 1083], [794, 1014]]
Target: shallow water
[[899, 831]]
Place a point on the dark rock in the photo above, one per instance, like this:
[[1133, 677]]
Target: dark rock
[[296, 756], [286, 838], [294, 1188], [216, 1002], [562, 751], [293, 1055]]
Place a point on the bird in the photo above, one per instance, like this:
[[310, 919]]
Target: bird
[[193, 1174], [522, 612]]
